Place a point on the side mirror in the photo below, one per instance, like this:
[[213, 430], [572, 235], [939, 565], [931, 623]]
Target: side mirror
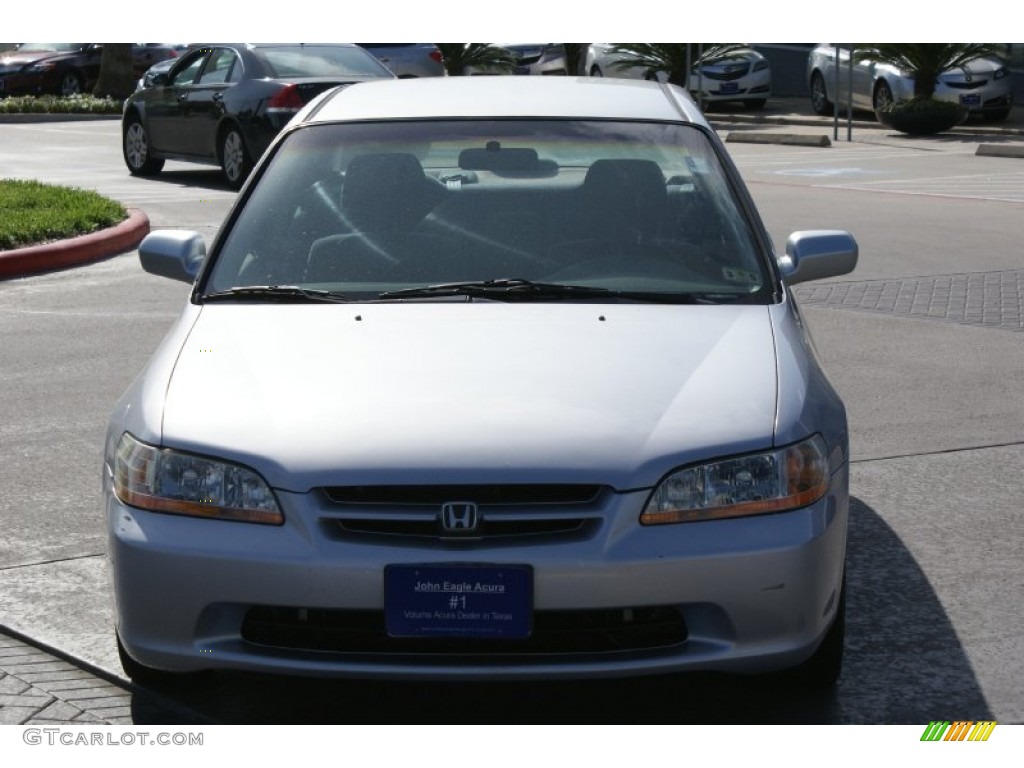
[[818, 253], [160, 78], [174, 253]]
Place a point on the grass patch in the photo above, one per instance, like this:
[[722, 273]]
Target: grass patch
[[81, 104], [32, 212]]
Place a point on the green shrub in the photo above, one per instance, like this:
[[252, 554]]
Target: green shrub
[[81, 104], [32, 212], [920, 116]]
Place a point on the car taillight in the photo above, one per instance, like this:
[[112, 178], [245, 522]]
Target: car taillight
[[286, 100], [436, 56]]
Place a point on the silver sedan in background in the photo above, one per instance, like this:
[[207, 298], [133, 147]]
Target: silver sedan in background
[[984, 86], [744, 76]]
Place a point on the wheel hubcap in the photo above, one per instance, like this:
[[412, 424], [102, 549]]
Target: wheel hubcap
[[882, 97], [135, 149], [234, 155]]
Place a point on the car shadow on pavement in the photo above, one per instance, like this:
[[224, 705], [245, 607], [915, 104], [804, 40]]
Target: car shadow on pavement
[[903, 664], [207, 178]]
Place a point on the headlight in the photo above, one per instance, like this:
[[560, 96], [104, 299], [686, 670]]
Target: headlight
[[760, 65], [42, 67], [773, 481], [164, 480], [1001, 73]]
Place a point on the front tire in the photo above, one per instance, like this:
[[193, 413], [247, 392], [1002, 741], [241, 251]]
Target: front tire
[[819, 95], [882, 97], [71, 83], [234, 158], [138, 155]]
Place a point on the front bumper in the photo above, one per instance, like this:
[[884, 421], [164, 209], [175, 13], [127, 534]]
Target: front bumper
[[756, 86], [753, 594], [27, 83]]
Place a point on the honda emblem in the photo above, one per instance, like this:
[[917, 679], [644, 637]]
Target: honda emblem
[[459, 517]]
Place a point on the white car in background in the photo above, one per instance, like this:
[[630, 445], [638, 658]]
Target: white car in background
[[538, 58], [984, 86], [530, 59], [744, 76]]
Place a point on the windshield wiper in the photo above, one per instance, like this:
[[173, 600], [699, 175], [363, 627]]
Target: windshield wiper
[[277, 293], [519, 289], [505, 289]]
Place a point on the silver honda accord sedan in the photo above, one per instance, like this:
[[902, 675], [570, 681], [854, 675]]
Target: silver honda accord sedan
[[485, 378]]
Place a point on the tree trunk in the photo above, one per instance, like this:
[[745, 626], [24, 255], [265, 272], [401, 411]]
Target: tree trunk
[[117, 75], [924, 83]]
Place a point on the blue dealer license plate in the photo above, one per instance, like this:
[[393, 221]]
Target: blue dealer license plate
[[485, 601]]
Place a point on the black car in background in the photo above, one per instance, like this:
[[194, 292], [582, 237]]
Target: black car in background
[[65, 69], [223, 103]]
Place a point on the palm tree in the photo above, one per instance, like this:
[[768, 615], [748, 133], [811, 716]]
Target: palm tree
[[458, 57], [675, 59], [926, 61]]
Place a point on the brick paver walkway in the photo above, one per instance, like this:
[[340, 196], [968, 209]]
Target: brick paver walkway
[[37, 688], [990, 299], [40, 689]]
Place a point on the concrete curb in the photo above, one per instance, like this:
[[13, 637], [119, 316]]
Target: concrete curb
[[76, 250], [793, 139], [723, 120], [1000, 150], [54, 117]]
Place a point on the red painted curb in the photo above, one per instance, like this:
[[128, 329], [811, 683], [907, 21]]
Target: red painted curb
[[76, 250]]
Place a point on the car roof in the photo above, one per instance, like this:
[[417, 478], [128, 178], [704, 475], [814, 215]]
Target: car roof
[[502, 96]]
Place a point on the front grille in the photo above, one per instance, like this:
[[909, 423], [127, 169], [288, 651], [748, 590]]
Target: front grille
[[554, 632], [505, 513], [731, 74], [964, 86], [492, 529], [518, 495]]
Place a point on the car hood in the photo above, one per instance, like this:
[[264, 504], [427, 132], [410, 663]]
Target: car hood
[[23, 58], [441, 392], [983, 67]]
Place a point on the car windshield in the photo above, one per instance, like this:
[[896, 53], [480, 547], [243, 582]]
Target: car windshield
[[524, 207], [320, 61]]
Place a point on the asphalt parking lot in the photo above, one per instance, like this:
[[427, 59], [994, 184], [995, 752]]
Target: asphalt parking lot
[[923, 342]]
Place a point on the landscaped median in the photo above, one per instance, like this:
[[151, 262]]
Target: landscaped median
[[82, 104], [45, 227]]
